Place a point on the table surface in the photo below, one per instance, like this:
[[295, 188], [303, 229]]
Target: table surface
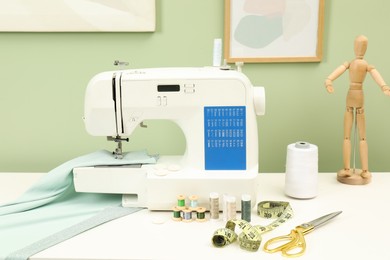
[[360, 232]]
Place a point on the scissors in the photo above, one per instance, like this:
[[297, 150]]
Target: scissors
[[296, 244]]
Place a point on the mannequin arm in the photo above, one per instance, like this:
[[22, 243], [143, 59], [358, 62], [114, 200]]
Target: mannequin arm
[[334, 75], [379, 80]]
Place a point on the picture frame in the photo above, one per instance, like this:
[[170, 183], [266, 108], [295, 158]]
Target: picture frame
[[77, 16], [273, 30]]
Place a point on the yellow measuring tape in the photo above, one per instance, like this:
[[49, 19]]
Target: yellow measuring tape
[[250, 237]]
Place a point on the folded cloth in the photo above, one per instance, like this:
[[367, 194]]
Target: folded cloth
[[52, 204]]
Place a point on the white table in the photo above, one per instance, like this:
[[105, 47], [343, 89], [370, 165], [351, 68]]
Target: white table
[[360, 232]]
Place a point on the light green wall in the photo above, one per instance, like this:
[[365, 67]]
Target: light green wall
[[44, 75]]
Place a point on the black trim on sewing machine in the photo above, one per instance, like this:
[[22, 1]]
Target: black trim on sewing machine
[[114, 99], [121, 105]]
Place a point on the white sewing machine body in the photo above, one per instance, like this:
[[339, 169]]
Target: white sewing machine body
[[216, 110]]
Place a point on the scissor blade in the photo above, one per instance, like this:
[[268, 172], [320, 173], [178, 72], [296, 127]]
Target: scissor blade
[[321, 220]]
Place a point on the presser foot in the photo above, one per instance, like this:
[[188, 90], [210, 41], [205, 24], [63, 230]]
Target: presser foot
[[354, 176], [118, 150], [118, 153]]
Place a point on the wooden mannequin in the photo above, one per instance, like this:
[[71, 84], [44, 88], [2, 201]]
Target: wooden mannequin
[[358, 69]]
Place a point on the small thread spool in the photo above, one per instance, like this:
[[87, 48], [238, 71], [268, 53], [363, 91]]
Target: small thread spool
[[200, 214], [186, 215], [193, 201], [214, 205], [246, 207], [181, 201], [176, 214], [230, 207]]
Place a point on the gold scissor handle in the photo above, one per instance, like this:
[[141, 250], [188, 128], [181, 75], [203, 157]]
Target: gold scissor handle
[[295, 246]]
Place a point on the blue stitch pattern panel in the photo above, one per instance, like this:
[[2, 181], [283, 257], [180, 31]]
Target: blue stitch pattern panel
[[225, 137]]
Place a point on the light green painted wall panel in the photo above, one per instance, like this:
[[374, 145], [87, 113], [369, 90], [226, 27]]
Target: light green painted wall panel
[[44, 75]]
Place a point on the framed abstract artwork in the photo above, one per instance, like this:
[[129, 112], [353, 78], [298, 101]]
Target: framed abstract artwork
[[77, 15], [273, 30]]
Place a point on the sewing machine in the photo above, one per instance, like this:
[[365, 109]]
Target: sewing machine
[[216, 110]]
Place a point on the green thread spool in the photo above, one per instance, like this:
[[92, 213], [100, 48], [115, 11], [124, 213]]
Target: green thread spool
[[181, 201], [176, 214], [201, 214]]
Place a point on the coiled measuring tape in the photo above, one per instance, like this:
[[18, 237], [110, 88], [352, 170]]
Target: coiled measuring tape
[[250, 237]]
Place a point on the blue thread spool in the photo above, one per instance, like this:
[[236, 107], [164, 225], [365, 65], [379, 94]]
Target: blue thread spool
[[193, 202], [186, 215]]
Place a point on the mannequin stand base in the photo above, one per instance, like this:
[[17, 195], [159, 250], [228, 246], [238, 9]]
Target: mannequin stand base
[[353, 177]]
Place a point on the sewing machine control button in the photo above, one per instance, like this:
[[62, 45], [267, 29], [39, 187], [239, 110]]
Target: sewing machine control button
[[174, 167], [164, 101], [189, 88], [161, 172]]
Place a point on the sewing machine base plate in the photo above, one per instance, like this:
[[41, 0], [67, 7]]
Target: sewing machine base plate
[[355, 177], [142, 187]]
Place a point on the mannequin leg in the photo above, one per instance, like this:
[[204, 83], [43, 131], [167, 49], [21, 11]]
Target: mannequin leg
[[361, 122], [357, 176], [348, 119]]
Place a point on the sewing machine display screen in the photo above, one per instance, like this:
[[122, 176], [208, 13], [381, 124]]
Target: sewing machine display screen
[[225, 137], [168, 88]]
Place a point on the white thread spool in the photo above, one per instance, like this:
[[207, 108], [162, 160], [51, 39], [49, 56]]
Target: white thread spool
[[301, 180], [230, 208]]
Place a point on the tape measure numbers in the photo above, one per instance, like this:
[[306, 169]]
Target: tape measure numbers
[[280, 210], [250, 236]]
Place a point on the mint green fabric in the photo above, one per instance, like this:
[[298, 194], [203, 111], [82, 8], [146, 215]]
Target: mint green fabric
[[52, 204], [102, 217]]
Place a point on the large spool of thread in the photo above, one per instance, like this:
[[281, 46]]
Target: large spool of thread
[[301, 180]]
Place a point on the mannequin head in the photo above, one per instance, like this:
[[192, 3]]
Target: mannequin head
[[360, 46]]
